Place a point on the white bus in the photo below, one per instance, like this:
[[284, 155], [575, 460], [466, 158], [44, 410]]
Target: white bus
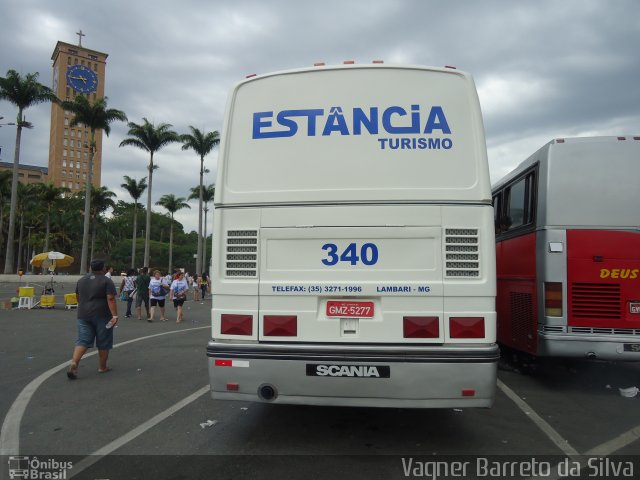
[[353, 258]]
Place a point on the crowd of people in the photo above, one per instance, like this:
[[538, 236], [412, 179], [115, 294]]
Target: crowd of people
[[98, 307], [151, 291]]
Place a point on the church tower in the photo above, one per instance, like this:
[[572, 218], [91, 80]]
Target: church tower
[[76, 71]]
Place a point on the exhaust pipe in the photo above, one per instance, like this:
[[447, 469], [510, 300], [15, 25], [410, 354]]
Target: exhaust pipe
[[591, 356], [267, 392]]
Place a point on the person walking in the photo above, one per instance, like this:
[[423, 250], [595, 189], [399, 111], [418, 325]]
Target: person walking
[[97, 315], [204, 285], [158, 289], [189, 280], [128, 286], [142, 292], [196, 288], [178, 293]]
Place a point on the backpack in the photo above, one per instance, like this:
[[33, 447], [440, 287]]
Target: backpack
[[157, 291]]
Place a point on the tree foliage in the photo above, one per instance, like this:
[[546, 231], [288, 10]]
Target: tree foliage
[[111, 231], [22, 92], [202, 143], [95, 116], [151, 139]]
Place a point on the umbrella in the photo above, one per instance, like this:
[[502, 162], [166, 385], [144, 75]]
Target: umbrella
[[51, 259]]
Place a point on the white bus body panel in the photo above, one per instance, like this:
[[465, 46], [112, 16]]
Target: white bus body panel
[[330, 109], [287, 197]]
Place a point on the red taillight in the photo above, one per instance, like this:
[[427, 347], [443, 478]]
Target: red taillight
[[420, 327], [231, 324], [233, 387], [553, 299], [468, 392], [219, 362], [349, 62], [280, 325], [466, 327]]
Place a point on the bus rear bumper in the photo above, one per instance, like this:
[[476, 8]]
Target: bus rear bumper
[[353, 375], [592, 346]]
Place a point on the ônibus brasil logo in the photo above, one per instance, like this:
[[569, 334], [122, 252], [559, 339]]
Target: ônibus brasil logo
[[420, 122], [35, 468]]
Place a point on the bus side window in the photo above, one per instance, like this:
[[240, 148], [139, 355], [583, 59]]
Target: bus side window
[[531, 198], [496, 212], [517, 202], [501, 220]]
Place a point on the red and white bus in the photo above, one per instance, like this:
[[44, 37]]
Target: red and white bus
[[568, 250]]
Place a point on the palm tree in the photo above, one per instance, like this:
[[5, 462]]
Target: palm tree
[[202, 144], [23, 92], [50, 195], [5, 195], [65, 218], [101, 200], [172, 204], [151, 139], [136, 189], [27, 198], [207, 196], [95, 116]]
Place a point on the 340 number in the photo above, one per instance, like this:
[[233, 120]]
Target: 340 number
[[368, 254]]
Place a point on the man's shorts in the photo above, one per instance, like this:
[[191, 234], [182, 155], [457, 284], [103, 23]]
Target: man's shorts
[[94, 330], [157, 301], [142, 298]]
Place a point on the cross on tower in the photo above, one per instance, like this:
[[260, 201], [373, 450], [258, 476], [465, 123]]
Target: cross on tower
[[80, 35]]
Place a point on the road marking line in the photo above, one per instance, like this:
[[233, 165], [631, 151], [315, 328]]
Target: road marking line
[[10, 434], [615, 444], [139, 430], [603, 450], [542, 424]]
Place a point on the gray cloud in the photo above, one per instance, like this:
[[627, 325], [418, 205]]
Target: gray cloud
[[544, 69]]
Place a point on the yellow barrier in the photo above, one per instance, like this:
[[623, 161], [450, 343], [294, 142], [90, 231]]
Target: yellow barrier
[[48, 301], [70, 300], [25, 292]]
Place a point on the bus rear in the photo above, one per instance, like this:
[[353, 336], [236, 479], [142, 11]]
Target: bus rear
[[353, 259]]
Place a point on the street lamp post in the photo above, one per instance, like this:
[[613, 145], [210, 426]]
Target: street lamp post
[[29, 267]]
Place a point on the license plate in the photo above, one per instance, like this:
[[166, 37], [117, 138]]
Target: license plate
[[632, 347], [345, 309], [351, 371], [634, 307]]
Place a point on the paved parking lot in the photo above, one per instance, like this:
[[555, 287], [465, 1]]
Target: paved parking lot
[[153, 412]]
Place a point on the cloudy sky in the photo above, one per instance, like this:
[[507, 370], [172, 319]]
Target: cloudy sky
[[544, 69]]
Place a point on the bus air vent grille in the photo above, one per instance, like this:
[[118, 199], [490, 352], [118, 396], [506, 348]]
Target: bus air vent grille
[[462, 253], [522, 317], [595, 300], [552, 329], [241, 253], [605, 331]]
